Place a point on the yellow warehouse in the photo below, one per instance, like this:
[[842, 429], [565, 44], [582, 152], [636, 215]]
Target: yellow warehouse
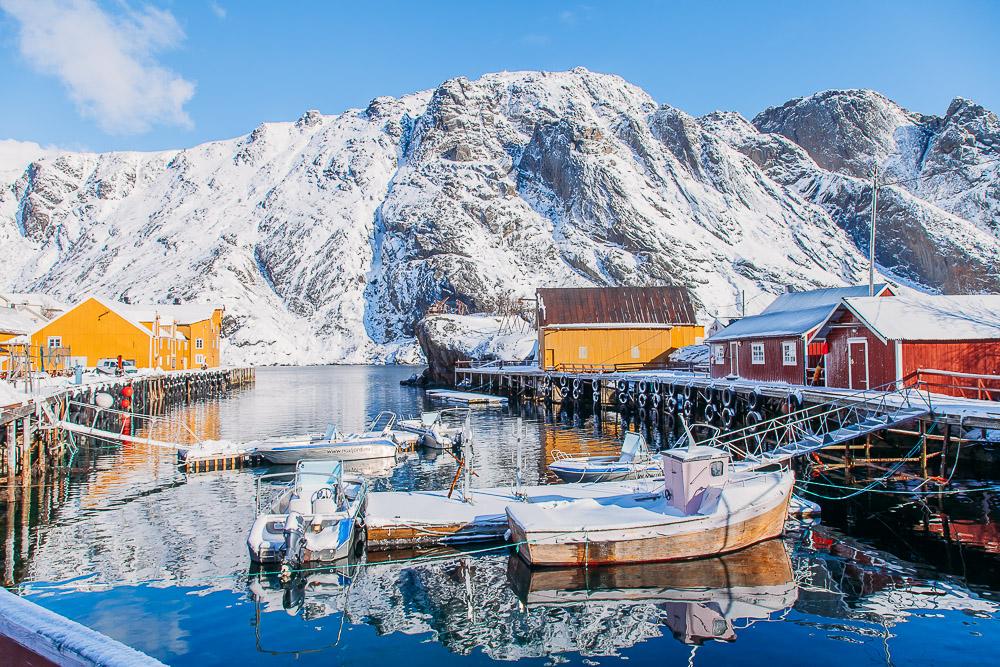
[[604, 328], [169, 337]]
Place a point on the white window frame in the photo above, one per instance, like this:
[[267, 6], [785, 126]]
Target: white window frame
[[719, 355], [754, 349], [636, 354], [582, 352], [786, 358], [199, 343], [54, 339], [199, 359]]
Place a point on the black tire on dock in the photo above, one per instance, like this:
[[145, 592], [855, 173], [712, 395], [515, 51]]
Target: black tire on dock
[[672, 404], [642, 398], [710, 413], [754, 399], [688, 390], [753, 418], [688, 408], [621, 385], [668, 422], [728, 396], [728, 416], [622, 398], [657, 399]]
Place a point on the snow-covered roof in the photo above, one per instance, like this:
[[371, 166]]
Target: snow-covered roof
[[930, 317], [187, 313], [793, 313], [33, 299], [16, 322]]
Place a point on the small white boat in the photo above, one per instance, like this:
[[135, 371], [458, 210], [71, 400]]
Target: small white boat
[[634, 462], [439, 429], [316, 518], [375, 443], [708, 506]]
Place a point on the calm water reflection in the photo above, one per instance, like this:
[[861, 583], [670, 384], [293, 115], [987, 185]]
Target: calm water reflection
[[131, 546]]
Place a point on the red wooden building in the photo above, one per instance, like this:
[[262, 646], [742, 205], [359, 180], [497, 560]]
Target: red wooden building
[[879, 343], [782, 343]]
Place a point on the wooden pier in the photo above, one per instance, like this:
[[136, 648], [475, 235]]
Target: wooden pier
[[31, 440]]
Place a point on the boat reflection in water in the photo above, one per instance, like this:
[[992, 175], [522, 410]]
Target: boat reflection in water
[[700, 599]]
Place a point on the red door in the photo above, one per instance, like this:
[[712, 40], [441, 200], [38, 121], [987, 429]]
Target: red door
[[857, 363]]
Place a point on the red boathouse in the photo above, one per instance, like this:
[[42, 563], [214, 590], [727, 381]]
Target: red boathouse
[[878, 343], [782, 343]]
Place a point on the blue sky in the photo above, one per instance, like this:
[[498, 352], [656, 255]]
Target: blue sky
[[115, 74]]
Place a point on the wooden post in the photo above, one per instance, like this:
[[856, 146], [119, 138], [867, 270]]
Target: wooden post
[[923, 448], [944, 447]]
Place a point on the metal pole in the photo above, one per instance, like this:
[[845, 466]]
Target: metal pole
[[518, 479], [871, 241]]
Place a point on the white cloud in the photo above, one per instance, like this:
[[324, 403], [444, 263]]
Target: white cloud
[[15, 156], [107, 62], [217, 9]]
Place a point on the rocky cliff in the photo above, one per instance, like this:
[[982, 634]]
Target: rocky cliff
[[329, 237]]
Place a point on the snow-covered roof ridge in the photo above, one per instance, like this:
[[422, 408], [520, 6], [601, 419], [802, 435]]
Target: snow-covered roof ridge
[[937, 317], [794, 313]]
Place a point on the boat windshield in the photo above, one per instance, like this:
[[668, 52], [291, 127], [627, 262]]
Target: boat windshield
[[633, 448], [383, 422]]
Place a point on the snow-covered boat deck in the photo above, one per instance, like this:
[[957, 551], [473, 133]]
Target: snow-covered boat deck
[[399, 518]]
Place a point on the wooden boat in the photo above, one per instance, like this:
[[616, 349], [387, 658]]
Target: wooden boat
[[313, 519], [701, 598], [633, 462], [708, 507]]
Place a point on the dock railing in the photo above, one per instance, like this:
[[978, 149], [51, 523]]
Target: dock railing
[[813, 423], [977, 386]]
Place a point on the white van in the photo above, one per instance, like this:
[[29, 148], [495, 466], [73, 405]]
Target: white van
[[110, 367]]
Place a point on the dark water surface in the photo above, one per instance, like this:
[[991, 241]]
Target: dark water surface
[[156, 558]]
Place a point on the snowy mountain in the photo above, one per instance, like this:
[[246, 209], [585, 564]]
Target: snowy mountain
[[328, 238]]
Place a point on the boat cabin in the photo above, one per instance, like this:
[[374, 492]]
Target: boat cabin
[[688, 472]]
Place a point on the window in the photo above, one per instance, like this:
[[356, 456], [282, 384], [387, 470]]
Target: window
[[788, 353], [583, 352], [757, 353], [55, 341], [199, 359], [199, 343], [717, 468], [718, 355], [635, 352]]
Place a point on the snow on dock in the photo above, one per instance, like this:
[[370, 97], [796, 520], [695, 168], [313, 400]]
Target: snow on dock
[[399, 518], [466, 397], [33, 635]]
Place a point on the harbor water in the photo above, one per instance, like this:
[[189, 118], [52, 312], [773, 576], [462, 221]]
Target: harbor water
[[125, 542]]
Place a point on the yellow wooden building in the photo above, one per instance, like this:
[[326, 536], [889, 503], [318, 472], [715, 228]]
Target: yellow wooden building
[[607, 327], [169, 337]]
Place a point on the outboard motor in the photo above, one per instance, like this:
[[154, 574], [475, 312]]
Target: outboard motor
[[294, 530]]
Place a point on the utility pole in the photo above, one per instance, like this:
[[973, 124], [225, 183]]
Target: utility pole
[[871, 240], [743, 303]]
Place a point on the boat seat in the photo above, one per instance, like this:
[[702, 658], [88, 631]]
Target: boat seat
[[324, 503], [300, 505]]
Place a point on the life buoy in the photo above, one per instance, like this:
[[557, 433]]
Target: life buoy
[[728, 415], [710, 413], [728, 396], [621, 385]]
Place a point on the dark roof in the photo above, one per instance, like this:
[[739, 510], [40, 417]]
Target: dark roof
[[793, 313], [610, 305]]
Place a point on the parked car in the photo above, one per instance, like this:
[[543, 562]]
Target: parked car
[[110, 367]]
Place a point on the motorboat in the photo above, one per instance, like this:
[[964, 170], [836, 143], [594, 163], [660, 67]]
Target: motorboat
[[315, 518], [377, 442], [634, 462], [708, 506], [437, 429]]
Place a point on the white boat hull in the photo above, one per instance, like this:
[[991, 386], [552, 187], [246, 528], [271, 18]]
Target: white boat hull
[[602, 469], [637, 529], [288, 454]]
